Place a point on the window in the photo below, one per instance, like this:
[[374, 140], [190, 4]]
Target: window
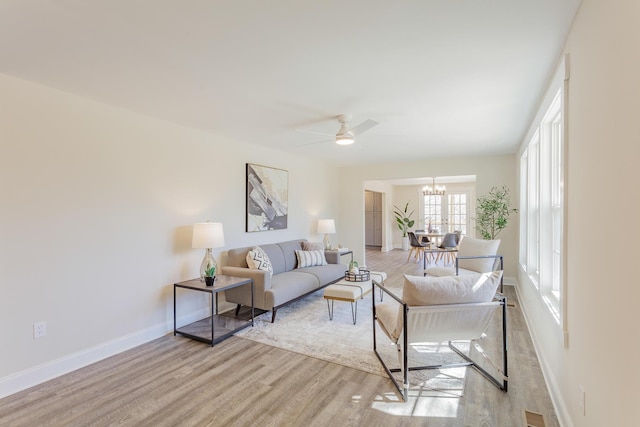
[[432, 211], [542, 200], [458, 212], [542, 244], [556, 207], [533, 210]]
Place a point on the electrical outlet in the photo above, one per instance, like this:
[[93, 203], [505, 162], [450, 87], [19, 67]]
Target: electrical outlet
[[581, 401], [39, 329]]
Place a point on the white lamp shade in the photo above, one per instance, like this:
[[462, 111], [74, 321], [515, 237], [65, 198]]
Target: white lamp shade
[[326, 226], [207, 235]]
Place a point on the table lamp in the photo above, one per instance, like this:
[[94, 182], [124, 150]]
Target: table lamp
[[326, 227], [208, 235]]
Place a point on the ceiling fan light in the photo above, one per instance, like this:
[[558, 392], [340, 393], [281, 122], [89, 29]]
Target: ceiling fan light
[[344, 137], [344, 140]]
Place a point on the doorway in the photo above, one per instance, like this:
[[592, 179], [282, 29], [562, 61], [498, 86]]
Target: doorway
[[373, 218], [448, 213]]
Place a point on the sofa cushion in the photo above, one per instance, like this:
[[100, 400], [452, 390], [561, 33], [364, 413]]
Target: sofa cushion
[[310, 258], [238, 257], [258, 259], [276, 256], [290, 285], [326, 273], [288, 249], [477, 247], [469, 288]]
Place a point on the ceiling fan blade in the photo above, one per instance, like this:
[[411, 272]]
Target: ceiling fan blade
[[317, 142], [315, 133], [363, 127]]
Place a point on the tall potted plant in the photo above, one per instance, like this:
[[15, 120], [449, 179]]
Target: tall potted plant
[[404, 222], [493, 211]]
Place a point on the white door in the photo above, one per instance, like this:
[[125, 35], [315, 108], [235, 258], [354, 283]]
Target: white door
[[373, 218], [449, 212]]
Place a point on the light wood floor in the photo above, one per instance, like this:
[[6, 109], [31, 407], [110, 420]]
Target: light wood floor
[[175, 381]]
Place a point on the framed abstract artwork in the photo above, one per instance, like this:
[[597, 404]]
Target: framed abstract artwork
[[267, 198]]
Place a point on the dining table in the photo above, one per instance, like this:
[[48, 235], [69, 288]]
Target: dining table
[[435, 238], [434, 253]]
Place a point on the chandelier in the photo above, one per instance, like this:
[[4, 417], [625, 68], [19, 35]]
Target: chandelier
[[433, 189]]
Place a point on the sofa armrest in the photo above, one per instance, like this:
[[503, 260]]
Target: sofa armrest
[[332, 257], [261, 278]]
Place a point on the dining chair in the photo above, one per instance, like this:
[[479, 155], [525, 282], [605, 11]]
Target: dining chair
[[417, 247], [447, 246], [423, 238]]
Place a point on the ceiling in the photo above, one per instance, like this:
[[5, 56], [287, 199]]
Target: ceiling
[[442, 77]]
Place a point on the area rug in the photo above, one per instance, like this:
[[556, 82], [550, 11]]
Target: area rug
[[304, 327]]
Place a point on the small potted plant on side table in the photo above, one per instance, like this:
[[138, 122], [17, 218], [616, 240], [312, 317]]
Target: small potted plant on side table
[[210, 275]]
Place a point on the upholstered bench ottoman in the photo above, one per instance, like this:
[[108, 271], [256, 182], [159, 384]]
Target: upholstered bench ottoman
[[345, 290]]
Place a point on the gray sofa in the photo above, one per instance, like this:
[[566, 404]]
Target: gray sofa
[[287, 283]]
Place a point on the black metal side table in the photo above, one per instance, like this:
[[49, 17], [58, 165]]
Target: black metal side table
[[216, 327]]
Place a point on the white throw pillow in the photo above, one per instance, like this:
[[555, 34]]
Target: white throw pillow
[[470, 288], [310, 258], [440, 271], [477, 247], [258, 259]]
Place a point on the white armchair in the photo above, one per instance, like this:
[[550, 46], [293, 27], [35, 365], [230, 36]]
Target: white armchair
[[439, 309]]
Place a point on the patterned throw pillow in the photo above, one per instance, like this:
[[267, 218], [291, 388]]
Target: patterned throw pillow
[[310, 258], [257, 258]]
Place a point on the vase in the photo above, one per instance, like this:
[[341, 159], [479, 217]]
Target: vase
[[208, 280], [405, 243], [208, 262]]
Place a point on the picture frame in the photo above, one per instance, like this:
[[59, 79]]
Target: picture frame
[[266, 198]]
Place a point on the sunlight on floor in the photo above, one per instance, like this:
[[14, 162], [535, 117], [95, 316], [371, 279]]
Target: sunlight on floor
[[436, 397]]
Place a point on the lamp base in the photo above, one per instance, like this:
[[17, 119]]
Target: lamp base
[[209, 267], [327, 242]]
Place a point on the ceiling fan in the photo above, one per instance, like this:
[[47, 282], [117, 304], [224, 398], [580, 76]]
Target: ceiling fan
[[345, 135]]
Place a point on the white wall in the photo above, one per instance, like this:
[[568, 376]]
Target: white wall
[[602, 293], [97, 209], [490, 171]]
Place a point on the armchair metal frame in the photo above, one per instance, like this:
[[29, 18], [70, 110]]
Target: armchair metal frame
[[500, 383]]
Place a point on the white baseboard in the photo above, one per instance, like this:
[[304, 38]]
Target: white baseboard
[[52, 369], [562, 412], [508, 280]]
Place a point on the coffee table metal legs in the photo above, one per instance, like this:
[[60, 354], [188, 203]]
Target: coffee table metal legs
[[354, 312]]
